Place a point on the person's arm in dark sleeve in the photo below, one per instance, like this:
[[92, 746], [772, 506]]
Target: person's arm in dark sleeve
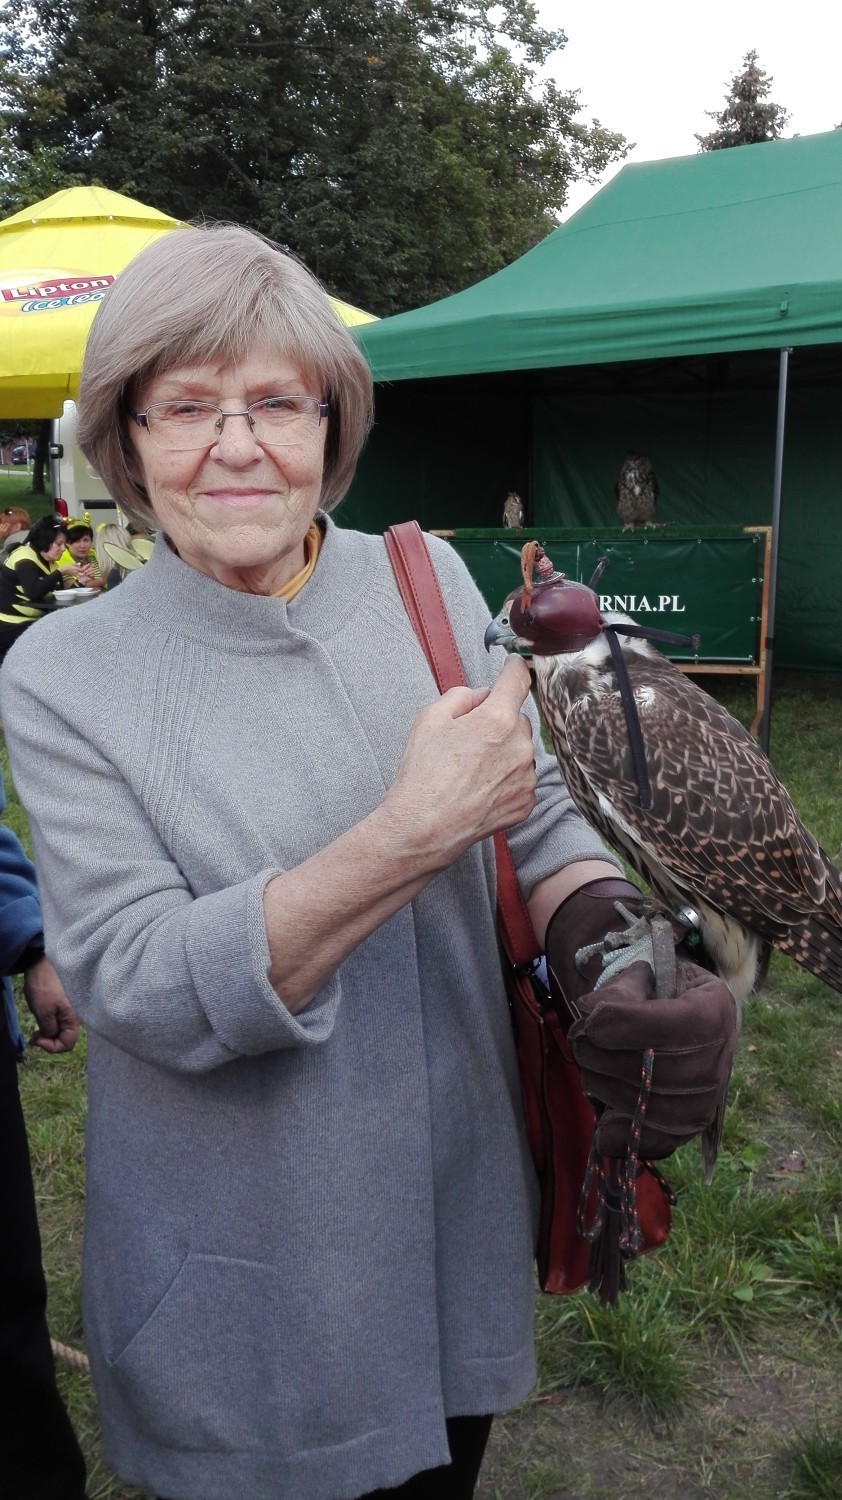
[[35, 584], [21, 938]]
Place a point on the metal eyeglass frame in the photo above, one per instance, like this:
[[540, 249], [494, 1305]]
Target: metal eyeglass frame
[[141, 417]]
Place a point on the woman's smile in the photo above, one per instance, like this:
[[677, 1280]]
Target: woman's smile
[[238, 499]]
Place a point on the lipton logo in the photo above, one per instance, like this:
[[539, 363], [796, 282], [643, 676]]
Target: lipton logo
[[63, 287]]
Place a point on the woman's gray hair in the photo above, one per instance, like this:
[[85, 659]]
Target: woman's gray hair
[[214, 293]]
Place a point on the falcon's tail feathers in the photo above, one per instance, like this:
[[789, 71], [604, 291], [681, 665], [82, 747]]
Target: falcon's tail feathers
[[710, 1141], [816, 945], [816, 941]]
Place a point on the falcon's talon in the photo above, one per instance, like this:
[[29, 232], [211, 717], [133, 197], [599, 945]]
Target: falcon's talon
[[581, 956], [622, 958], [633, 944], [637, 928]]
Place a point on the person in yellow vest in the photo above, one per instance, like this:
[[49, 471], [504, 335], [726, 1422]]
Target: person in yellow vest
[[28, 578], [81, 553]]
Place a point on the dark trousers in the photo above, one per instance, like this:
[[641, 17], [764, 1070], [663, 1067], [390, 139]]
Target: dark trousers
[[8, 635], [466, 1437], [40, 1458]]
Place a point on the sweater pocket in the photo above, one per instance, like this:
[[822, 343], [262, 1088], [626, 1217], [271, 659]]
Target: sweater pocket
[[204, 1372]]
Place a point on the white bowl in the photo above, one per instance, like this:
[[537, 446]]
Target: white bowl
[[72, 596]]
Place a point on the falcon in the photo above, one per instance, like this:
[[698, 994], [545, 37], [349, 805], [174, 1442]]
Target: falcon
[[679, 788], [513, 515], [636, 491]]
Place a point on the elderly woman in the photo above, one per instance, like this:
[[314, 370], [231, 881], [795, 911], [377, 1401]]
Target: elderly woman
[[310, 1205]]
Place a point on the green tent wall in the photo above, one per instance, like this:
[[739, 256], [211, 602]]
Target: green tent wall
[[652, 320]]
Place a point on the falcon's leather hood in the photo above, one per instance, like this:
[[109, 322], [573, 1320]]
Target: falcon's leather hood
[[554, 618]]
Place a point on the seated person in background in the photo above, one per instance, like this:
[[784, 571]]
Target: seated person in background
[[14, 526], [80, 552], [110, 572], [28, 578]]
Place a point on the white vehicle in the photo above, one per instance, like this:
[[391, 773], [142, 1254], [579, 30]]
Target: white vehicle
[[76, 486]]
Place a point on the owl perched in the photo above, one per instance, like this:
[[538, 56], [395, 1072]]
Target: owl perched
[[636, 491], [513, 511]]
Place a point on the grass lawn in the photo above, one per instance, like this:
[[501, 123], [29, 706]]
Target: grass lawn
[[16, 489], [720, 1374]]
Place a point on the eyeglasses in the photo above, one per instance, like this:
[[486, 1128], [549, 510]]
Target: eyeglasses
[[278, 421]]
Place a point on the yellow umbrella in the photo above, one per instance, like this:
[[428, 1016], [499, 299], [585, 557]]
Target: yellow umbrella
[[57, 258], [352, 316]]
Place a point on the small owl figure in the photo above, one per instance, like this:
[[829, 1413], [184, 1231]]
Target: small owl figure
[[636, 491], [513, 511]]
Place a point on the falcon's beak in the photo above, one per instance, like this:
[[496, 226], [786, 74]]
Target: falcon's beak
[[500, 633]]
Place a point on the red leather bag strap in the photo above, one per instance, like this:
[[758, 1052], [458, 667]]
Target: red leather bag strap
[[422, 597]]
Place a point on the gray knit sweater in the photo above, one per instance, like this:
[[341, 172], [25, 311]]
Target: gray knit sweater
[[308, 1238]]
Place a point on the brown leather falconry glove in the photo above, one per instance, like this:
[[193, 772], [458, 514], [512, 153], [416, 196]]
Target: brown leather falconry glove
[[653, 1036], [613, 1018]]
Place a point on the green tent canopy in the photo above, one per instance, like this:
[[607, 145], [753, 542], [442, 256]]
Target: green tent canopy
[[724, 251], [653, 320]]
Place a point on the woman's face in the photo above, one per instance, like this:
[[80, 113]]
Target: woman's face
[[55, 548], [79, 547], [236, 510]]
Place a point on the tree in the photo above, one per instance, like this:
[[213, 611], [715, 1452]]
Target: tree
[[41, 458], [404, 148], [747, 118]]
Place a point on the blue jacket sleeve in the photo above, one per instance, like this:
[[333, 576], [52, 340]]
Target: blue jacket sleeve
[[20, 910]]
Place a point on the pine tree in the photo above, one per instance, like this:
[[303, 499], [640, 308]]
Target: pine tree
[[747, 118]]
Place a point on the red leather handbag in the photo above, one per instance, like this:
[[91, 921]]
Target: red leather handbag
[[559, 1119]]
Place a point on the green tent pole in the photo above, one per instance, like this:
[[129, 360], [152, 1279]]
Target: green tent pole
[[773, 557]]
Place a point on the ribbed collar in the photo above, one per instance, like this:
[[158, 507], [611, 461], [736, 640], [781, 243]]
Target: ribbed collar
[[183, 600]]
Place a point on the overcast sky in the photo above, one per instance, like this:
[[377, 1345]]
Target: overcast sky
[[652, 69]]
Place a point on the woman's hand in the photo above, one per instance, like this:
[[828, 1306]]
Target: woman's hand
[[468, 769], [68, 571]]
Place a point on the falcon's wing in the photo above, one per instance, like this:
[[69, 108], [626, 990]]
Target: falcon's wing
[[721, 823]]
